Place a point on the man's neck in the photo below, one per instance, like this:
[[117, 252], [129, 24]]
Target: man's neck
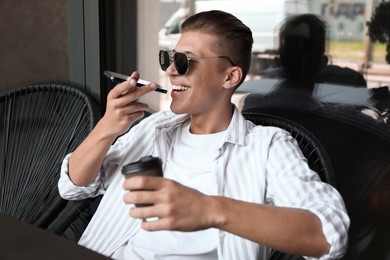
[[211, 123]]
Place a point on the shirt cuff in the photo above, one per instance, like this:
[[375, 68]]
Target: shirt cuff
[[68, 190]]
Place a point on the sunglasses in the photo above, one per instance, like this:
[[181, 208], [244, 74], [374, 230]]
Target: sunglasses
[[181, 61]]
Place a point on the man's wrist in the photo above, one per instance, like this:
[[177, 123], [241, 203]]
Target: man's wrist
[[216, 211]]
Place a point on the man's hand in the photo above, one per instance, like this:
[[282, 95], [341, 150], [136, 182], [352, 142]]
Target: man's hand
[[180, 208], [122, 111], [177, 207], [122, 108]]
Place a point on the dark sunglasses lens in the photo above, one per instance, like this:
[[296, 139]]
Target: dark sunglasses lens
[[164, 60], [181, 63]]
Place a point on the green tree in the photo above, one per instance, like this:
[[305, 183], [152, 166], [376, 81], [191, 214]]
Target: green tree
[[379, 26]]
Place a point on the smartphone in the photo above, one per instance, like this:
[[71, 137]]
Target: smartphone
[[118, 78]]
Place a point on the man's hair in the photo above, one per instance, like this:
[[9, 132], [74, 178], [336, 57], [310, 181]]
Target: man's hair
[[234, 39]]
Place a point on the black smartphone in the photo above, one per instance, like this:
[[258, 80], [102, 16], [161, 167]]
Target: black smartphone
[[118, 78]]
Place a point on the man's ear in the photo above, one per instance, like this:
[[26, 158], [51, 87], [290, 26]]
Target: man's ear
[[233, 77]]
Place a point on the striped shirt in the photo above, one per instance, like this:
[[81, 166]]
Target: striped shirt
[[254, 164]]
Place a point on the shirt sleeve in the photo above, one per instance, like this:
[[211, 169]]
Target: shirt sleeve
[[128, 146], [68, 190], [291, 183]]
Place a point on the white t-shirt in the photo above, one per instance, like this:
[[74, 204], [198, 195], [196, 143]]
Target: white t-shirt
[[191, 164]]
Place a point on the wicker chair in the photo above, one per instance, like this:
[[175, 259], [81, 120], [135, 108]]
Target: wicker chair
[[40, 124]]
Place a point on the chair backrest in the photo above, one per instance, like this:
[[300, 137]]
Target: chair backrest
[[40, 124], [310, 145]]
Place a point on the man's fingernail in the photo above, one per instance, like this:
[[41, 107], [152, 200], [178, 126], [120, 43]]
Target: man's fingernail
[[133, 82]]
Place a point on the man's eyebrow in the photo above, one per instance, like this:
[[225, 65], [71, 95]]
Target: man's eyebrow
[[186, 52]]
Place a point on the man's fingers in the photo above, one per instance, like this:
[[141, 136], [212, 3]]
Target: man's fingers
[[140, 198], [122, 88], [129, 91], [134, 108], [143, 183], [156, 224]]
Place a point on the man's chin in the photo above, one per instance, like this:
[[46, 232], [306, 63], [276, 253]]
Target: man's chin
[[177, 111]]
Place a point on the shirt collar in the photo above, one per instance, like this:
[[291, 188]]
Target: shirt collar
[[235, 131]]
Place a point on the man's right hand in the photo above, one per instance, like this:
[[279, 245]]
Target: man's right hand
[[121, 113], [122, 107]]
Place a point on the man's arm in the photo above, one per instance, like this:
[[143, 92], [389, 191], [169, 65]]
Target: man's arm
[[180, 208], [121, 112], [291, 230]]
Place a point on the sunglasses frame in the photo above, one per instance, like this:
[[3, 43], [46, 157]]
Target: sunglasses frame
[[182, 71]]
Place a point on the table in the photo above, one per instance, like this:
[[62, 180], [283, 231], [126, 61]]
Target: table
[[19, 240]]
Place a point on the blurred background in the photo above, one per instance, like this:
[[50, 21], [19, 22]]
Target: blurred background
[[74, 41]]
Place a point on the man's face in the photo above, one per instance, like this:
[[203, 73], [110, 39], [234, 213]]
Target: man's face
[[200, 90]]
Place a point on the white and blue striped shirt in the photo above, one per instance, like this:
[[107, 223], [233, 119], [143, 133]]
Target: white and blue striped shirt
[[254, 164]]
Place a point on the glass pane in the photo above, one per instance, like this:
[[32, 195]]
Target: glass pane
[[348, 45]]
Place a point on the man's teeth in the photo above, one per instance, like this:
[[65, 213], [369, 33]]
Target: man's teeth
[[180, 88]]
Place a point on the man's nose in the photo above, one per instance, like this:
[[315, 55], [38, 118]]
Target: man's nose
[[171, 70]]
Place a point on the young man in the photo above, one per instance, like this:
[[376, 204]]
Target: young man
[[231, 190]]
